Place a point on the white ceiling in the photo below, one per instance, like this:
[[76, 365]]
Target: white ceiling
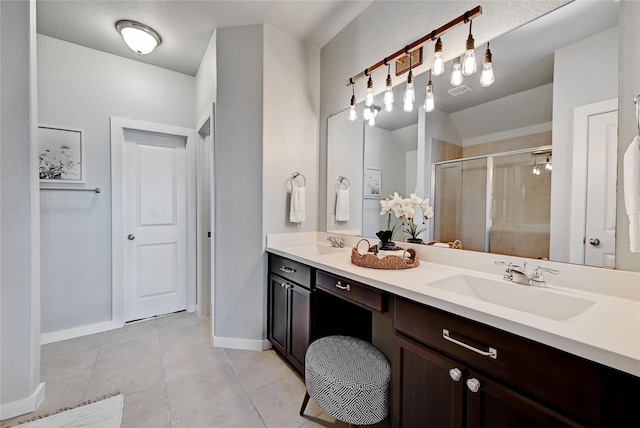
[[186, 26]]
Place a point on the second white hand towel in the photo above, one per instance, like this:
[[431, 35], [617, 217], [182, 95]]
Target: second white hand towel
[[297, 210], [342, 205]]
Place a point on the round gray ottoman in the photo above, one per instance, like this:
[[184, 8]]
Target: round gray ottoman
[[349, 379]]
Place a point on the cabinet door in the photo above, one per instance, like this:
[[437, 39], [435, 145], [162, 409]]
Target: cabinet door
[[278, 313], [425, 395], [299, 325], [495, 406]]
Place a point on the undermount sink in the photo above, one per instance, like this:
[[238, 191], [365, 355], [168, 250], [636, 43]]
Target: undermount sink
[[537, 301]]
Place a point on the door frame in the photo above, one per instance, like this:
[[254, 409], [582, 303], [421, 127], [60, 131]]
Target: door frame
[[579, 174], [207, 121], [118, 126]]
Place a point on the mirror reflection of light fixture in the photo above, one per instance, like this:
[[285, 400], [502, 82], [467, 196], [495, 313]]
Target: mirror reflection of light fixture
[[429, 102], [548, 166], [469, 63], [353, 114], [536, 169], [388, 93], [456, 73], [438, 63], [141, 38], [370, 114], [487, 78]]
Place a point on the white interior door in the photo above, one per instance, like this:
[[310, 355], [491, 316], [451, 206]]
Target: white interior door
[[154, 220], [600, 225]]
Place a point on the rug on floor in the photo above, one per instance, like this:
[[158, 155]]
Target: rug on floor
[[105, 413]]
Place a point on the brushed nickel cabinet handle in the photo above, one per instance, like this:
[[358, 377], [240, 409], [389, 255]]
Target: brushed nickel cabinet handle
[[287, 269], [345, 287], [492, 352]]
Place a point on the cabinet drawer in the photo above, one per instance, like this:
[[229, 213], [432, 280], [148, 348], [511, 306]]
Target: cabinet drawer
[[566, 382], [360, 294], [288, 269]]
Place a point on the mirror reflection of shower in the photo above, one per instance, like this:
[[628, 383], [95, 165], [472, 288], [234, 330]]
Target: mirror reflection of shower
[[494, 203]]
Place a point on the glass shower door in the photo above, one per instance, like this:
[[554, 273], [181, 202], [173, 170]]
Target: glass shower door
[[460, 197]]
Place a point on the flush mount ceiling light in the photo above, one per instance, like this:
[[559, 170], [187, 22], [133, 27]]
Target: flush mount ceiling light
[[139, 37]]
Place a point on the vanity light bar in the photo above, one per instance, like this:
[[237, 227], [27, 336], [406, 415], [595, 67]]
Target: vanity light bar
[[462, 19]]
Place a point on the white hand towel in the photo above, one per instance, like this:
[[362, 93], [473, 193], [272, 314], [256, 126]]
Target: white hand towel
[[342, 205], [400, 253], [297, 210], [632, 192]]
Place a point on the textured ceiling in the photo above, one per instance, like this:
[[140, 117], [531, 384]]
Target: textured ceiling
[[186, 26]]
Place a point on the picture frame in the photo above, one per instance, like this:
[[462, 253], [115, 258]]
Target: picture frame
[[61, 155], [372, 183]]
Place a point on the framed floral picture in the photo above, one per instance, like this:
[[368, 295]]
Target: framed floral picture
[[372, 183], [61, 155]]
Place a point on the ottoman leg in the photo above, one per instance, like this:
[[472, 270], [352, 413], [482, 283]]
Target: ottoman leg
[[304, 403]]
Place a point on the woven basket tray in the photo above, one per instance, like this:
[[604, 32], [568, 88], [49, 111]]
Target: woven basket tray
[[371, 260]]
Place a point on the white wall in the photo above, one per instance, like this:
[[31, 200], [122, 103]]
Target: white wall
[[240, 257], [520, 110], [346, 149], [576, 85], [381, 151], [290, 128], [20, 388], [81, 88], [385, 27], [205, 82], [627, 127]]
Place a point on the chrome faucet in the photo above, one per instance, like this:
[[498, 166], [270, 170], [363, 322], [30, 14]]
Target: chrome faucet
[[336, 241], [519, 275]]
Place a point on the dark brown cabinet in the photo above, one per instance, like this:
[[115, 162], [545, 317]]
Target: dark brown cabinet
[[289, 328], [453, 372]]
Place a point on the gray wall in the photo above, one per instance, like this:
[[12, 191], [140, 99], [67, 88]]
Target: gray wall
[[629, 87], [240, 260], [81, 88], [19, 262]]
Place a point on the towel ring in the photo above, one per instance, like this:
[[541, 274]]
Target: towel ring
[[341, 179], [296, 175]]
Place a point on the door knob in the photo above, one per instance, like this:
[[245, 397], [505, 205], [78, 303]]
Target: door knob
[[473, 384], [455, 374], [594, 241], [131, 237]]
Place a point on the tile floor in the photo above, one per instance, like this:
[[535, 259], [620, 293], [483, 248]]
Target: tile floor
[[171, 376]]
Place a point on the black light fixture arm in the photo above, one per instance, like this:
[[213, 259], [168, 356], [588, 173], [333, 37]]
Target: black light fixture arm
[[462, 19]]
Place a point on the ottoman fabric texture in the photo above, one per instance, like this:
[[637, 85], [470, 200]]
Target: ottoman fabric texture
[[349, 379]]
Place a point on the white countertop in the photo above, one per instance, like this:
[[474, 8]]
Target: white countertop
[[607, 333]]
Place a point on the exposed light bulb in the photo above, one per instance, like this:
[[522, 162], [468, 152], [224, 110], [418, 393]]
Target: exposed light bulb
[[366, 113], [388, 93], [487, 78], [370, 114], [536, 170], [456, 73], [368, 101], [548, 165], [353, 115], [429, 102], [409, 94], [438, 63], [469, 63]]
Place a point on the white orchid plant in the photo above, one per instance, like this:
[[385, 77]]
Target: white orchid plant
[[406, 209]]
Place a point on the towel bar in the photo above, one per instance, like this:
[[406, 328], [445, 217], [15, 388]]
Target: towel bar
[[296, 175]]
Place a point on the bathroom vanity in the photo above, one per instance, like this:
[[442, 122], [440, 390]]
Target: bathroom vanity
[[464, 361]]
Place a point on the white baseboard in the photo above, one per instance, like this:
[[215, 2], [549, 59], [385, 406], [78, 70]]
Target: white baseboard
[[246, 344], [71, 333], [23, 406]]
